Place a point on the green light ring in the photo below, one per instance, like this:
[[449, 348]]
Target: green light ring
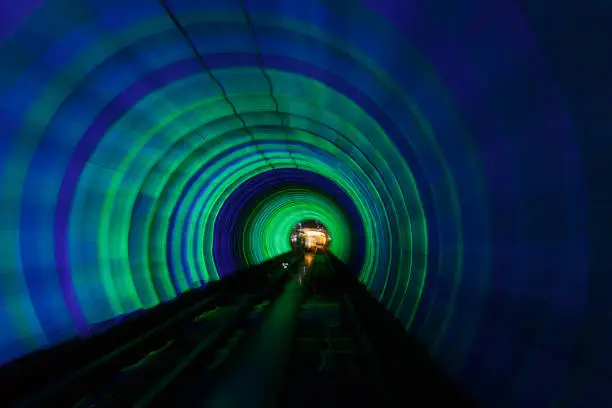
[[280, 161], [424, 125], [246, 155], [305, 161], [204, 241], [204, 195], [113, 195], [262, 168], [167, 285], [281, 212], [195, 188]]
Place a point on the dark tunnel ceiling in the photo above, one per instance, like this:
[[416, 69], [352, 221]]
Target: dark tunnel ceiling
[[457, 151]]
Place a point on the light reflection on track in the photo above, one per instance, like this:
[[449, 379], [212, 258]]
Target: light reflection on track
[[308, 260], [305, 267]]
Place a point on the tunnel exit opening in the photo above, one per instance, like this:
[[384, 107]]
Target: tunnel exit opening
[[310, 236]]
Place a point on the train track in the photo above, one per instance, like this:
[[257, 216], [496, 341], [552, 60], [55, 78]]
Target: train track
[[333, 363], [138, 372], [304, 337], [302, 347]]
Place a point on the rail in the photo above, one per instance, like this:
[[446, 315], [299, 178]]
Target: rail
[[78, 386]]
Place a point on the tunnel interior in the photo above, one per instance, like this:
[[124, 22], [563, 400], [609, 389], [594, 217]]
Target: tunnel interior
[[457, 152]]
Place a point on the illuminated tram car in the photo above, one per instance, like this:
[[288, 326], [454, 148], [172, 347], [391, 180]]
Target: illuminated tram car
[[309, 240], [315, 240]]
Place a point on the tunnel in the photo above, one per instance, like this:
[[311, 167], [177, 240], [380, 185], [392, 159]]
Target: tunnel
[[458, 152]]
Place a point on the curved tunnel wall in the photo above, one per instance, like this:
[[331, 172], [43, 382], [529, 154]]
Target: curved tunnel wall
[[271, 205], [124, 153]]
